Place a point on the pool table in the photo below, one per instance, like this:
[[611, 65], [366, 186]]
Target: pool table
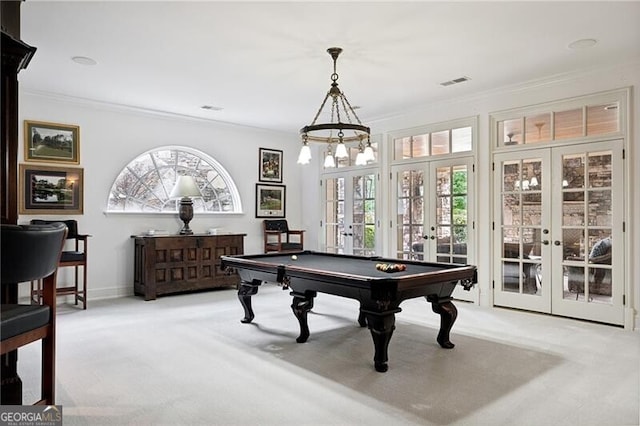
[[380, 293]]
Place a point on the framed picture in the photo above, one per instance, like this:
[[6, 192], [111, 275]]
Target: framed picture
[[51, 142], [50, 190], [270, 200], [270, 167]]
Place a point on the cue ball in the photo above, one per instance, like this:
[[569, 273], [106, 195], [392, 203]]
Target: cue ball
[[294, 257]]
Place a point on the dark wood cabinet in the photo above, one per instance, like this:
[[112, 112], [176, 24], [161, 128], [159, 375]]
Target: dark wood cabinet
[[179, 263]]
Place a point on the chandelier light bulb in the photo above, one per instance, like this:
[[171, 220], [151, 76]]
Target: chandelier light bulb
[[329, 161], [341, 151], [305, 155], [368, 153]]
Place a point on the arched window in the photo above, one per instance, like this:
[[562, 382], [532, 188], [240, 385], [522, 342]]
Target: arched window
[[145, 183]]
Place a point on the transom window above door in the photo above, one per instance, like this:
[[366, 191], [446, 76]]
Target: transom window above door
[[434, 140], [592, 116]]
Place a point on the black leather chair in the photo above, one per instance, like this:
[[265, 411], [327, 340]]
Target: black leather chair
[[278, 236], [75, 258], [31, 252]]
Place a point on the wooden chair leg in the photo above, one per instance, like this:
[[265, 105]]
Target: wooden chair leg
[[48, 385], [75, 285], [84, 286]]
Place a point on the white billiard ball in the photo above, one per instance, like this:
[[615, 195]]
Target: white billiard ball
[[294, 257]]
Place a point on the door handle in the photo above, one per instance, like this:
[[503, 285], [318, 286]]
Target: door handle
[[545, 242], [557, 243]]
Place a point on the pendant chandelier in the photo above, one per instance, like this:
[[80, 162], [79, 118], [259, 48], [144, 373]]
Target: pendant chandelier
[[340, 118]]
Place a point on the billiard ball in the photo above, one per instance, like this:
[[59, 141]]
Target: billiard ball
[[294, 257]]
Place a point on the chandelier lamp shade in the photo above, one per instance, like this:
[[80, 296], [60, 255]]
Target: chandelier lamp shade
[[342, 126], [185, 189]]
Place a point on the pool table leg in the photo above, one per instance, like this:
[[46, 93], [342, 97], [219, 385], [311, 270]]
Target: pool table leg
[[301, 305], [246, 290], [381, 326], [448, 314]]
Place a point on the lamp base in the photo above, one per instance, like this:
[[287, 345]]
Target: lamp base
[[186, 214], [186, 231]]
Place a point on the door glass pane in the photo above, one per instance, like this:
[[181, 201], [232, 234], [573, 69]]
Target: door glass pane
[[599, 208], [443, 181], [510, 176], [531, 209], [531, 175], [600, 170], [573, 244], [568, 124], [363, 215], [451, 209], [410, 214], [587, 239], [573, 171], [511, 209], [573, 208], [521, 233], [334, 215], [443, 210], [417, 211]]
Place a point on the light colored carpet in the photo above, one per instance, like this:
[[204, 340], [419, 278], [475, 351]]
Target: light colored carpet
[[187, 360]]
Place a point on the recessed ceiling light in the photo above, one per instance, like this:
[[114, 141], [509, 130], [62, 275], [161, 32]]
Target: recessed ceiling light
[[583, 43], [211, 108], [83, 60]]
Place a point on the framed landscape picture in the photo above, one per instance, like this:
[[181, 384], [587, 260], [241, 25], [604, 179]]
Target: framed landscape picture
[[51, 142], [270, 165], [270, 200], [50, 190]]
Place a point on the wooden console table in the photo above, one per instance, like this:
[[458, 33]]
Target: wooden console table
[[168, 264]]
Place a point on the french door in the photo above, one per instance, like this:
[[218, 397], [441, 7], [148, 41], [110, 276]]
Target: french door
[[434, 202], [350, 224], [559, 214]]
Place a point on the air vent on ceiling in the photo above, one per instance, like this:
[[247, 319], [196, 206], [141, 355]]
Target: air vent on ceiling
[[211, 107], [455, 81]]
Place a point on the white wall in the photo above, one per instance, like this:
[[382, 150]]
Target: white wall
[[482, 105], [111, 137]]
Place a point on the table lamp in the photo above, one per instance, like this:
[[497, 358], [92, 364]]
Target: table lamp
[[185, 189]]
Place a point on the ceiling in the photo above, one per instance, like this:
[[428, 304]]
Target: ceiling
[[265, 63]]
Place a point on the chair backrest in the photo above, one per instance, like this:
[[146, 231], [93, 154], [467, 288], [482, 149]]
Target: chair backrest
[[72, 225], [276, 225], [30, 252]]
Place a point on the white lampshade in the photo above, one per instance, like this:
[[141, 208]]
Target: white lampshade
[[360, 159], [368, 153], [185, 187], [533, 181], [305, 155], [329, 161], [341, 151]]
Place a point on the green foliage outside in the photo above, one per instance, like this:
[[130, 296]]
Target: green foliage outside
[[460, 205]]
